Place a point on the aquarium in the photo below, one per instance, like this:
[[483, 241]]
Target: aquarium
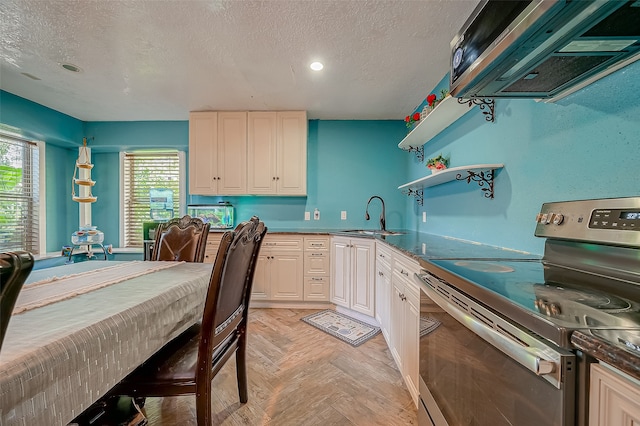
[[220, 215]]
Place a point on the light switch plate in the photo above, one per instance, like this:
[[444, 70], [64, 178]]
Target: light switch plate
[[307, 215], [343, 215], [424, 216], [316, 214]]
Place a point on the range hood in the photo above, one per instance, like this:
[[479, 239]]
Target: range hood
[[542, 49]]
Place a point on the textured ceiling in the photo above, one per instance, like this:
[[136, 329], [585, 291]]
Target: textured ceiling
[[158, 60]]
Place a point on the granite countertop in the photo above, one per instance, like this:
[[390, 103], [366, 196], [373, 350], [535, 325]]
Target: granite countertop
[[603, 351]]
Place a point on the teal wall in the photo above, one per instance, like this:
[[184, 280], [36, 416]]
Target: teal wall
[[584, 146], [348, 161]]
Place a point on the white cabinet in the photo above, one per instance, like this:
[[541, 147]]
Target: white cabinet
[[352, 266], [211, 249], [217, 153], [614, 399], [405, 321], [317, 268], [232, 153], [248, 153], [383, 288], [203, 153], [279, 270], [277, 153]]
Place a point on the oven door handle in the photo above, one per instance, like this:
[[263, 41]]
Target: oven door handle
[[537, 360]]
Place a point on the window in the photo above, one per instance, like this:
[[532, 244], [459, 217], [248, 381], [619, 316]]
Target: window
[[20, 197], [152, 189]]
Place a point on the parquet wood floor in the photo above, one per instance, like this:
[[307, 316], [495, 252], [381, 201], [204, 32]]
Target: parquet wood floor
[[299, 375]]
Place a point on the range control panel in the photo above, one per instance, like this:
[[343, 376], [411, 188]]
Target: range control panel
[[608, 220], [628, 220]]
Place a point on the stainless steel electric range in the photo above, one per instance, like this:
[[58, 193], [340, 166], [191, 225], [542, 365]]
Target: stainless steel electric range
[[499, 350]]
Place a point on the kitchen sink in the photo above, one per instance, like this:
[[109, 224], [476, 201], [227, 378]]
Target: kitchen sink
[[371, 232]]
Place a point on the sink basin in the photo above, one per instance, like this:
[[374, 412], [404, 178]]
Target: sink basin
[[371, 232]]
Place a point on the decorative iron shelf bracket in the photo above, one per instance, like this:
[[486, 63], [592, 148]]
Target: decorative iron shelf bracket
[[418, 193], [419, 150], [487, 106], [482, 178]]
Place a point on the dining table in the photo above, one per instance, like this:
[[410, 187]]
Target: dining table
[[80, 328]]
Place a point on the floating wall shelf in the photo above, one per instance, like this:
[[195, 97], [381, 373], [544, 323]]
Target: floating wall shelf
[[447, 112], [482, 174]]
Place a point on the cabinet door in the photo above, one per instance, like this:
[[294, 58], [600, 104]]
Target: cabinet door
[[362, 284], [232, 152], [203, 153], [613, 398], [286, 276], [397, 318], [411, 339], [261, 153], [260, 289], [340, 271], [291, 164], [383, 299]]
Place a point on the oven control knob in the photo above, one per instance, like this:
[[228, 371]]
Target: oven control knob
[[544, 367], [558, 219]]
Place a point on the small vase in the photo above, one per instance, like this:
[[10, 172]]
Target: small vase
[[425, 111], [434, 171]]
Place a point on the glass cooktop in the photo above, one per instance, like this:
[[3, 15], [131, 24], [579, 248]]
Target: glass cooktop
[[553, 296]]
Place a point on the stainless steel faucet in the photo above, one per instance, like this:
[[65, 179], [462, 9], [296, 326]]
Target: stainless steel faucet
[[383, 224]]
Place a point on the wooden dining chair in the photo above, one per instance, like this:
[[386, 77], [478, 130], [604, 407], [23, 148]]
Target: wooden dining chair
[[181, 239], [188, 364], [15, 267]]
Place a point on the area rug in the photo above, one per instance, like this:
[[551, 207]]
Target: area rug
[[427, 325], [345, 328]]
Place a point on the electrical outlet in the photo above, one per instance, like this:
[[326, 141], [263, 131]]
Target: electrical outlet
[[343, 215], [424, 216], [307, 215], [316, 214]]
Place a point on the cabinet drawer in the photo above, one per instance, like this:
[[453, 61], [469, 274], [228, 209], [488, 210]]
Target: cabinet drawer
[[316, 263], [316, 243], [406, 269], [383, 256], [316, 289], [282, 243]]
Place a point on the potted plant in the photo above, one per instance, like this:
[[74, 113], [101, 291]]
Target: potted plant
[[437, 164]]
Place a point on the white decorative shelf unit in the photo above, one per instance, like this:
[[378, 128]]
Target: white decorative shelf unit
[[447, 112], [480, 173]]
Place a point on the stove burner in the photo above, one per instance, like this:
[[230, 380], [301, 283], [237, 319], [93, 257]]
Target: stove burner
[[550, 295]]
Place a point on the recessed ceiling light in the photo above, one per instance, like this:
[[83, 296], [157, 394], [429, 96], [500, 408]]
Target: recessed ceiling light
[[316, 66], [70, 67]]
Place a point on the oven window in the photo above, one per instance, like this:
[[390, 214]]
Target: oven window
[[474, 383]]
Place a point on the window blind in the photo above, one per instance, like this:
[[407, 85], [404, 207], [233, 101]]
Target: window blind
[[142, 173], [19, 195]]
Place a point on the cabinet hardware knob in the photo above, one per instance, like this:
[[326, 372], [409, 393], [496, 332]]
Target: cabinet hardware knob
[[274, 178]]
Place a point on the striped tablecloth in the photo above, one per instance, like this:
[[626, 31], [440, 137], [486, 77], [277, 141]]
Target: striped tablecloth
[[59, 358]]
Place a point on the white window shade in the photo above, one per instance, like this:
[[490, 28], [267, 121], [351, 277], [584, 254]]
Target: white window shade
[[19, 195], [143, 172]]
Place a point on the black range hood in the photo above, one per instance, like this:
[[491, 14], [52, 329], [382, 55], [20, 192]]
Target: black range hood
[[543, 48]]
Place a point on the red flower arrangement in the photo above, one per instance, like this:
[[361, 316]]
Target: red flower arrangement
[[431, 99], [410, 119]]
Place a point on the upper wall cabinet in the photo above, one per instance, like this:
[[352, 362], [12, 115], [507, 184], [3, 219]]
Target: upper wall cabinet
[[248, 153], [277, 153], [232, 153], [203, 153]]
